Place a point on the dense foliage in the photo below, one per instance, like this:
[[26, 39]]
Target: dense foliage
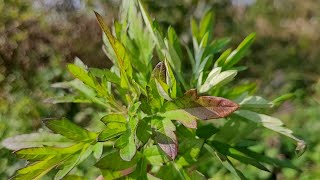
[[157, 122]]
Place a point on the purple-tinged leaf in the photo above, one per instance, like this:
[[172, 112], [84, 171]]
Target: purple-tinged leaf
[[165, 137]]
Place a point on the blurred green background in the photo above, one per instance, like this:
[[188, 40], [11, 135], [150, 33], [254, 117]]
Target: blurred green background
[[38, 38]]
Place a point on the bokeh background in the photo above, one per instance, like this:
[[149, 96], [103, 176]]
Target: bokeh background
[[38, 38]]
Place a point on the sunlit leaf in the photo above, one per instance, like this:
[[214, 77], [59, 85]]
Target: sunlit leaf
[[241, 50], [69, 130], [155, 155], [36, 140], [202, 107], [123, 58], [273, 124]]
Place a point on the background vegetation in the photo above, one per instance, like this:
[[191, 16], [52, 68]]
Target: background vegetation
[[37, 38]]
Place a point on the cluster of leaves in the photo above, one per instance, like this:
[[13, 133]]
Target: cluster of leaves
[[158, 124]]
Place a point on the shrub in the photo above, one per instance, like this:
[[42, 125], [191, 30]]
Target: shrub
[[161, 122]]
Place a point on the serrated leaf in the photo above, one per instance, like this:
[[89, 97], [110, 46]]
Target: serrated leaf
[[202, 107], [165, 136], [36, 140], [69, 130], [273, 124]]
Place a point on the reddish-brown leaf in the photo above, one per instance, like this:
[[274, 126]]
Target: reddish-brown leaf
[[202, 107]]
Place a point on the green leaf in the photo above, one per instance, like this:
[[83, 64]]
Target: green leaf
[[217, 79], [254, 102], [155, 155], [141, 170], [273, 124], [82, 75], [225, 162], [228, 150], [206, 131], [74, 160], [234, 131], [98, 150], [41, 153], [266, 159], [279, 100], [37, 170], [69, 130], [116, 118], [110, 76], [194, 28], [129, 150], [165, 137], [114, 162], [36, 140], [159, 79], [112, 130], [206, 25], [182, 116], [196, 175], [143, 132], [174, 171], [171, 80], [123, 57], [202, 107], [174, 40], [189, 147], [217, 45], [221, 60], [241, 50]]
